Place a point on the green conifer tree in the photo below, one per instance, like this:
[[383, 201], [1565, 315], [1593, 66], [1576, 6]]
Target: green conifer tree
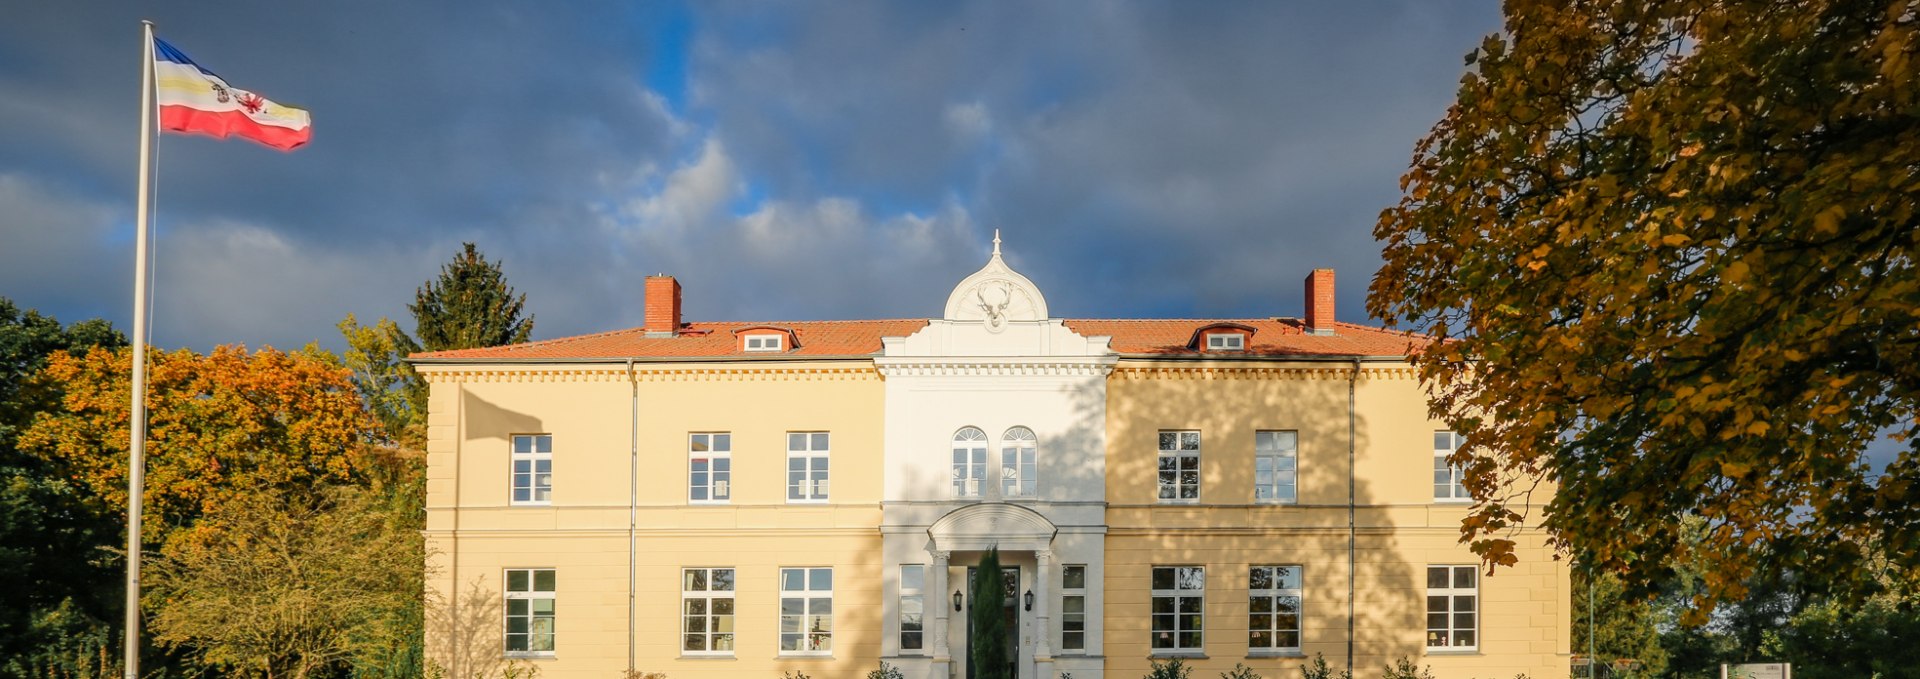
[[987, 622], [470, 306]]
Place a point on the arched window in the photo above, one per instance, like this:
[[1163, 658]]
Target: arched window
[[1018, 472], [969, 462]]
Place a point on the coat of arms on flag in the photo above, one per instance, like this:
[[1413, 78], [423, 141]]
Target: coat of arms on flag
[[194, 100]]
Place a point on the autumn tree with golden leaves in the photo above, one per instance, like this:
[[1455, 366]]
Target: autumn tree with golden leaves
[[1670, 248]]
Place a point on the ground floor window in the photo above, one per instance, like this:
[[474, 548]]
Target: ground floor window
[[806, 611], [1273, 608], [530, 616], [1073, 607], [1453, 609], [912, 607], [1178, 596], [706, 611]]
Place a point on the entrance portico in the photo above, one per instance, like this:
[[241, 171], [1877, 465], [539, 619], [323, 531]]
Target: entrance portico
[[1025, 540]]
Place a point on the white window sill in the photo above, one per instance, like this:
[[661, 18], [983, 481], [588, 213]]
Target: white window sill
[[1276, 653], [804, 656], [1453, 650], [531, 503], [707, 656], [1183, 655], [1453, 500], [1190, 501], [709, 502], [1282, 503], [820, 501], [529, 655]]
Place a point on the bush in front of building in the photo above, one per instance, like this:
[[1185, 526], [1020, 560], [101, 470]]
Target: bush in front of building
[[1171, 669], [1318, 669], [886, 672], [1240, 671]]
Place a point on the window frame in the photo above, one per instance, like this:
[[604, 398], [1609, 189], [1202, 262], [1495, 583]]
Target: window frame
[[533, 457], [970, 462], [1273, 594], [714, 457], [1290, 454], [769, 342], [1178, 453], [1239, 341], [1452, 594], [1179, 594], [807, 596], [1068, 593], [1455, 484], [1026, 473], [529, 595], [918, 595], [816, 470], [710, 618]]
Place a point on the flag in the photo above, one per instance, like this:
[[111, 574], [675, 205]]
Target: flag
[[194, 100]]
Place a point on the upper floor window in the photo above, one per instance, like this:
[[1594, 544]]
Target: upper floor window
[[1453, 608], [807, 466], [530, 616], [532, 469], [1178, 596], [710, 467], [706, 611], [1275, 459], [1018, 471], [806, 611], [1179, 466], [969, 462], [1446, 475], [1273, 608]]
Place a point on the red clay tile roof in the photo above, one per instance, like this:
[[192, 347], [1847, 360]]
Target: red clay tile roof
[[1144, 336], [814, 338], [1271, 337]]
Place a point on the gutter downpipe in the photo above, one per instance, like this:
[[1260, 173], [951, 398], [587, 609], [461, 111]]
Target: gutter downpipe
[[1352, 533], [633, 508]]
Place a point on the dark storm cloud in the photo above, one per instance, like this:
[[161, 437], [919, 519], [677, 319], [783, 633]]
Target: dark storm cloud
[[799, 161]]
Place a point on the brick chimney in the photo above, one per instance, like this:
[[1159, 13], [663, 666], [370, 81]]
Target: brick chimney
[[663, 306], [1320, 302]]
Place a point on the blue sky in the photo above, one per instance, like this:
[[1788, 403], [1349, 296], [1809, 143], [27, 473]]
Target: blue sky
[[785, 160]]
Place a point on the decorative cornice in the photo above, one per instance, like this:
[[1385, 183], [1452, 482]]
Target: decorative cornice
[[934, 367], [1259, 373], [743, 374]]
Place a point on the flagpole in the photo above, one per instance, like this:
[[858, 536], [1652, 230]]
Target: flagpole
[[137, 444]]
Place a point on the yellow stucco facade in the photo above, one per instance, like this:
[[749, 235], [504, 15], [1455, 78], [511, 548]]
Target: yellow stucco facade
[[677, 499]]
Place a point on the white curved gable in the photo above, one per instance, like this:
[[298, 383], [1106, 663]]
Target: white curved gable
[[996, 294], [992, 524]]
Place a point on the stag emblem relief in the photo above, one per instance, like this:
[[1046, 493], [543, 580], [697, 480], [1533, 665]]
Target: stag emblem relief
[[994, 296]]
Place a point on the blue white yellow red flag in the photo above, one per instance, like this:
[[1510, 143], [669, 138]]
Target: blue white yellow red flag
[[193, 100]]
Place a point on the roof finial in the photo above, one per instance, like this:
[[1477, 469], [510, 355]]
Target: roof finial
[[996, 242]]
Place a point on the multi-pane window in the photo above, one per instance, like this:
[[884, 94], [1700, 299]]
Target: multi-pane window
[[765, 343], [706, 611], [913, 578], [1276, 458], [1226, 341], [806, 611], [1178, 594], [710, 467], [530, 611], [1018, 472], [1273, 608], [807, 466], [1446, 475], [969, 462], [1179, 465], [1452, 607], [532, 469], [1073, 607]]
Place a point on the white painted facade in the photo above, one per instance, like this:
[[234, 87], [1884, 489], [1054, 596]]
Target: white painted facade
[[995, 362]]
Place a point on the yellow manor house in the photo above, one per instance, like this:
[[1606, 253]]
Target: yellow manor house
[[724, 499]]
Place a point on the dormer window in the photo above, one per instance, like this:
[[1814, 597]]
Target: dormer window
[[766, 339], [1220, 337], [765, 343]]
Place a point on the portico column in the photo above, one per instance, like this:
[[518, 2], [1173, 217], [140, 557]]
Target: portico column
[[1042, 605], [940, 602]]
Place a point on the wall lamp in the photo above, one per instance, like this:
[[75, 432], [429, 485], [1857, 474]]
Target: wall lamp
[[1028, 597], [958, 600]]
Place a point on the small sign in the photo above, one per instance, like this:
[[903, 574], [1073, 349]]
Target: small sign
[[1757, 671]]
